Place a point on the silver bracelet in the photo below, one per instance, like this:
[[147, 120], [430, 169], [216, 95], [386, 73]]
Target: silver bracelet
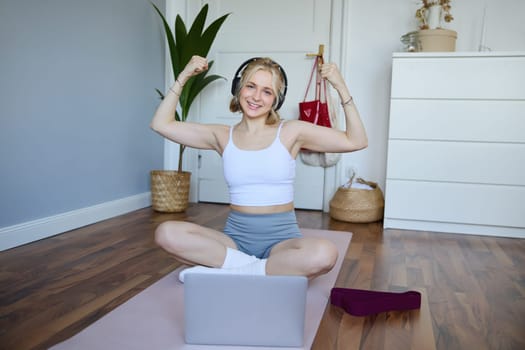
[[180, 84], [350, 100], [174, 92]]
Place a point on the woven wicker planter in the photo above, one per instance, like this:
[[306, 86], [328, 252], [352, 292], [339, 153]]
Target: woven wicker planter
[[170, 190], [358, 205]]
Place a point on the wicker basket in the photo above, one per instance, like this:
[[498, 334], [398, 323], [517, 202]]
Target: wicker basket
[[170, 190], [358, 205]]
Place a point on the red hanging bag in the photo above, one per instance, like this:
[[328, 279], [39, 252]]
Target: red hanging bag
[[316, 111]]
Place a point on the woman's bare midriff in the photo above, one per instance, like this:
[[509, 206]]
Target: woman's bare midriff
[[270, 209]]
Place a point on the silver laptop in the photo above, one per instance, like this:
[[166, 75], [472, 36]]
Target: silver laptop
[[244, 310]]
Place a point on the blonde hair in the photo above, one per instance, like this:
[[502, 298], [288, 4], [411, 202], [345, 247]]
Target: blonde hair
[[267, 65]]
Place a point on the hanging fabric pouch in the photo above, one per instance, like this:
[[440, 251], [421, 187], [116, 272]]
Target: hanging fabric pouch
[[319, 111], [316, 111]]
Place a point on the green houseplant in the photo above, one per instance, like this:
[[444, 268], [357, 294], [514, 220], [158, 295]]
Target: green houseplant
[[170, 189]]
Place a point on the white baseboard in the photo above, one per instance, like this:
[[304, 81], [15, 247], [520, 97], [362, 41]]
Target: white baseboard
[[13, 236], [481, 230]]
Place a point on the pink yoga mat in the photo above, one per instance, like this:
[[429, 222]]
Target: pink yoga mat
[[153, 319]]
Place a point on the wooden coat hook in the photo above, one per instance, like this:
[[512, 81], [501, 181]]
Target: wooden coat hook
[[320, 53]]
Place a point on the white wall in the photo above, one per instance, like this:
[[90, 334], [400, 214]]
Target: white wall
[[373, 35]]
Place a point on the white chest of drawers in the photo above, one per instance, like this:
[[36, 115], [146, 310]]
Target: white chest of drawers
[[456, 143]]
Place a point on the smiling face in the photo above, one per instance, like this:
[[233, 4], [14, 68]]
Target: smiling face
[[261, 88], [257, 96]]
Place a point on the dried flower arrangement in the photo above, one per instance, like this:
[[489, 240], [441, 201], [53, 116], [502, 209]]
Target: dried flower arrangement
[[421, 13]]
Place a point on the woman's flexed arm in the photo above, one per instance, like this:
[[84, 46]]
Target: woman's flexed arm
[[190, 134], [355, 131], [331, 140]]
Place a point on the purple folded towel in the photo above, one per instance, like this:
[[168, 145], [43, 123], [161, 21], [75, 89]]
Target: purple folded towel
[[359, 302]]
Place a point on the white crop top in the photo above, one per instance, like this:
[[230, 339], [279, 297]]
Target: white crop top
[[259, 177]]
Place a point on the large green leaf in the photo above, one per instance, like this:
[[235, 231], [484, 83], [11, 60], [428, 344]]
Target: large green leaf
[[180, 37], [198, 84], [193, 94], [193, 38], [175, 60], [209, 35]]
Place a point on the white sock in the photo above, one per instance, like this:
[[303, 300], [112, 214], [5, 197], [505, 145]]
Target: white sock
[[236, 258], [257, 267]]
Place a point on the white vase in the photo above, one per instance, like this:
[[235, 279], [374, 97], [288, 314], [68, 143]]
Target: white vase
[[434, 17]]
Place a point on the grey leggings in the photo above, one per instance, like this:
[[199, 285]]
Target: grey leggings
[[256, 234]]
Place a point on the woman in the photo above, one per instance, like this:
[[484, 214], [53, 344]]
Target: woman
[[261, 235]]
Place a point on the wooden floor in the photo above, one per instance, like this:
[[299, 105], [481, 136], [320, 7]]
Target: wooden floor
[[473, 287]]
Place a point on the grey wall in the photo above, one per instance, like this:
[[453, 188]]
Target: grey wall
[[77, 82]]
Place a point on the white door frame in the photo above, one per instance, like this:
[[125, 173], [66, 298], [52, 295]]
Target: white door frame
[[337, 51]]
